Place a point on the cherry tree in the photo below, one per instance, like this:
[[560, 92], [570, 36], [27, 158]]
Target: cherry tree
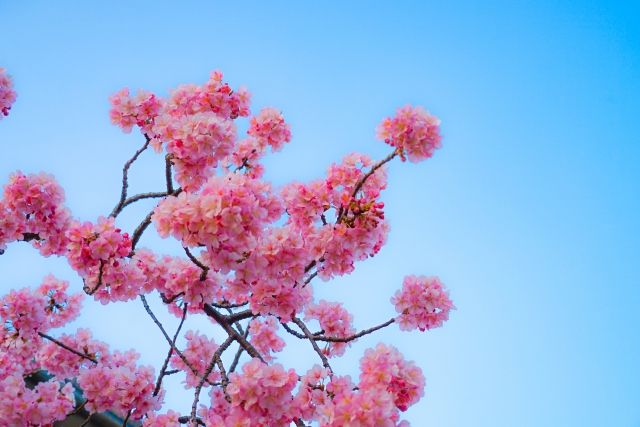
[[251, 255]]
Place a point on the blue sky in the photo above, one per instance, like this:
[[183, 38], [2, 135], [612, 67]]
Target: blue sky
[[529, 212]]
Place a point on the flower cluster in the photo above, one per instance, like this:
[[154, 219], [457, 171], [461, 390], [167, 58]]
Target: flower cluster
[[119, 385], [139, 110], [98, 252], [38, 406], [423, 303], [264, 337], [62, 363], [178, 279], [335, 321], [196, 143], [199, 352], [413, 131], [227, 216], [260, 396], [269, 128], [32, 209], [384, 367], [195, 124], [7, 94]]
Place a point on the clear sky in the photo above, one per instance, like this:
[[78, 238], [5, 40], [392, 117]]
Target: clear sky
[[529, 212]]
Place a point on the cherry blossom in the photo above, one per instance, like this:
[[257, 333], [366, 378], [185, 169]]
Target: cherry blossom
[[251, 254], [423, 303], [7, 94], [413, 131]]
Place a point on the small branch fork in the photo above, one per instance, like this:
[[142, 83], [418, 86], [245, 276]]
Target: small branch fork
[[163, 370]]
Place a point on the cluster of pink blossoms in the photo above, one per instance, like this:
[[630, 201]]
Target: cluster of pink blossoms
[[264, 337], [38, 406], [226, 217], [414, 132], [7, 94], [178, 280], [423, 303], [32, 209], [258, 251], [117, 384], [198, 352], [335, 321], [98, 252], [260, 395]]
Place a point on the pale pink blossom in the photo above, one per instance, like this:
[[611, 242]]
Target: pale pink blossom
[[423, 303], [413, 131], [7, 94]]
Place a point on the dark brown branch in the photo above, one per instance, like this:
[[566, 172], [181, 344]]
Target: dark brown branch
[[314, 344], [167, 173], [142, 196], [225, 306], [166, 336], [186, 419], [125, 178], [163, 370], [222, 321], [358, 335], [140, 229], [66, 347], [99, 282], [214, 360], [236, 358], [126, 420], [197, 262], [241, 315]]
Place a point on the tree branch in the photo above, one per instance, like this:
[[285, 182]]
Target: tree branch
[[215, 359], [358, 335], [125, 178], [222, 321], [66, 347], [166, 336], [163, 370], [314, 344]]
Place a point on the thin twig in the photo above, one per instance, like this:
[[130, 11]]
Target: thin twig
[[163, 370], [167, 173], [125, 178], [142, 196], [197, 262], [124, 422], [66, 347], [214, 360], [314, 344], [236, 358], [166, 336], [356, 336]]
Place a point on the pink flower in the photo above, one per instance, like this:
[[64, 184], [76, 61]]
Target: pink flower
[[384, 368], [423, 303], [140, 110], [335, 321], [270, 128], [264, 337], [7, 94], [413, 131], [34, 206], [117, 384], [199, 352]]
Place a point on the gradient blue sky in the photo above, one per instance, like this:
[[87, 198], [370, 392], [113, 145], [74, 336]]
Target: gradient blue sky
[[529, 212]]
